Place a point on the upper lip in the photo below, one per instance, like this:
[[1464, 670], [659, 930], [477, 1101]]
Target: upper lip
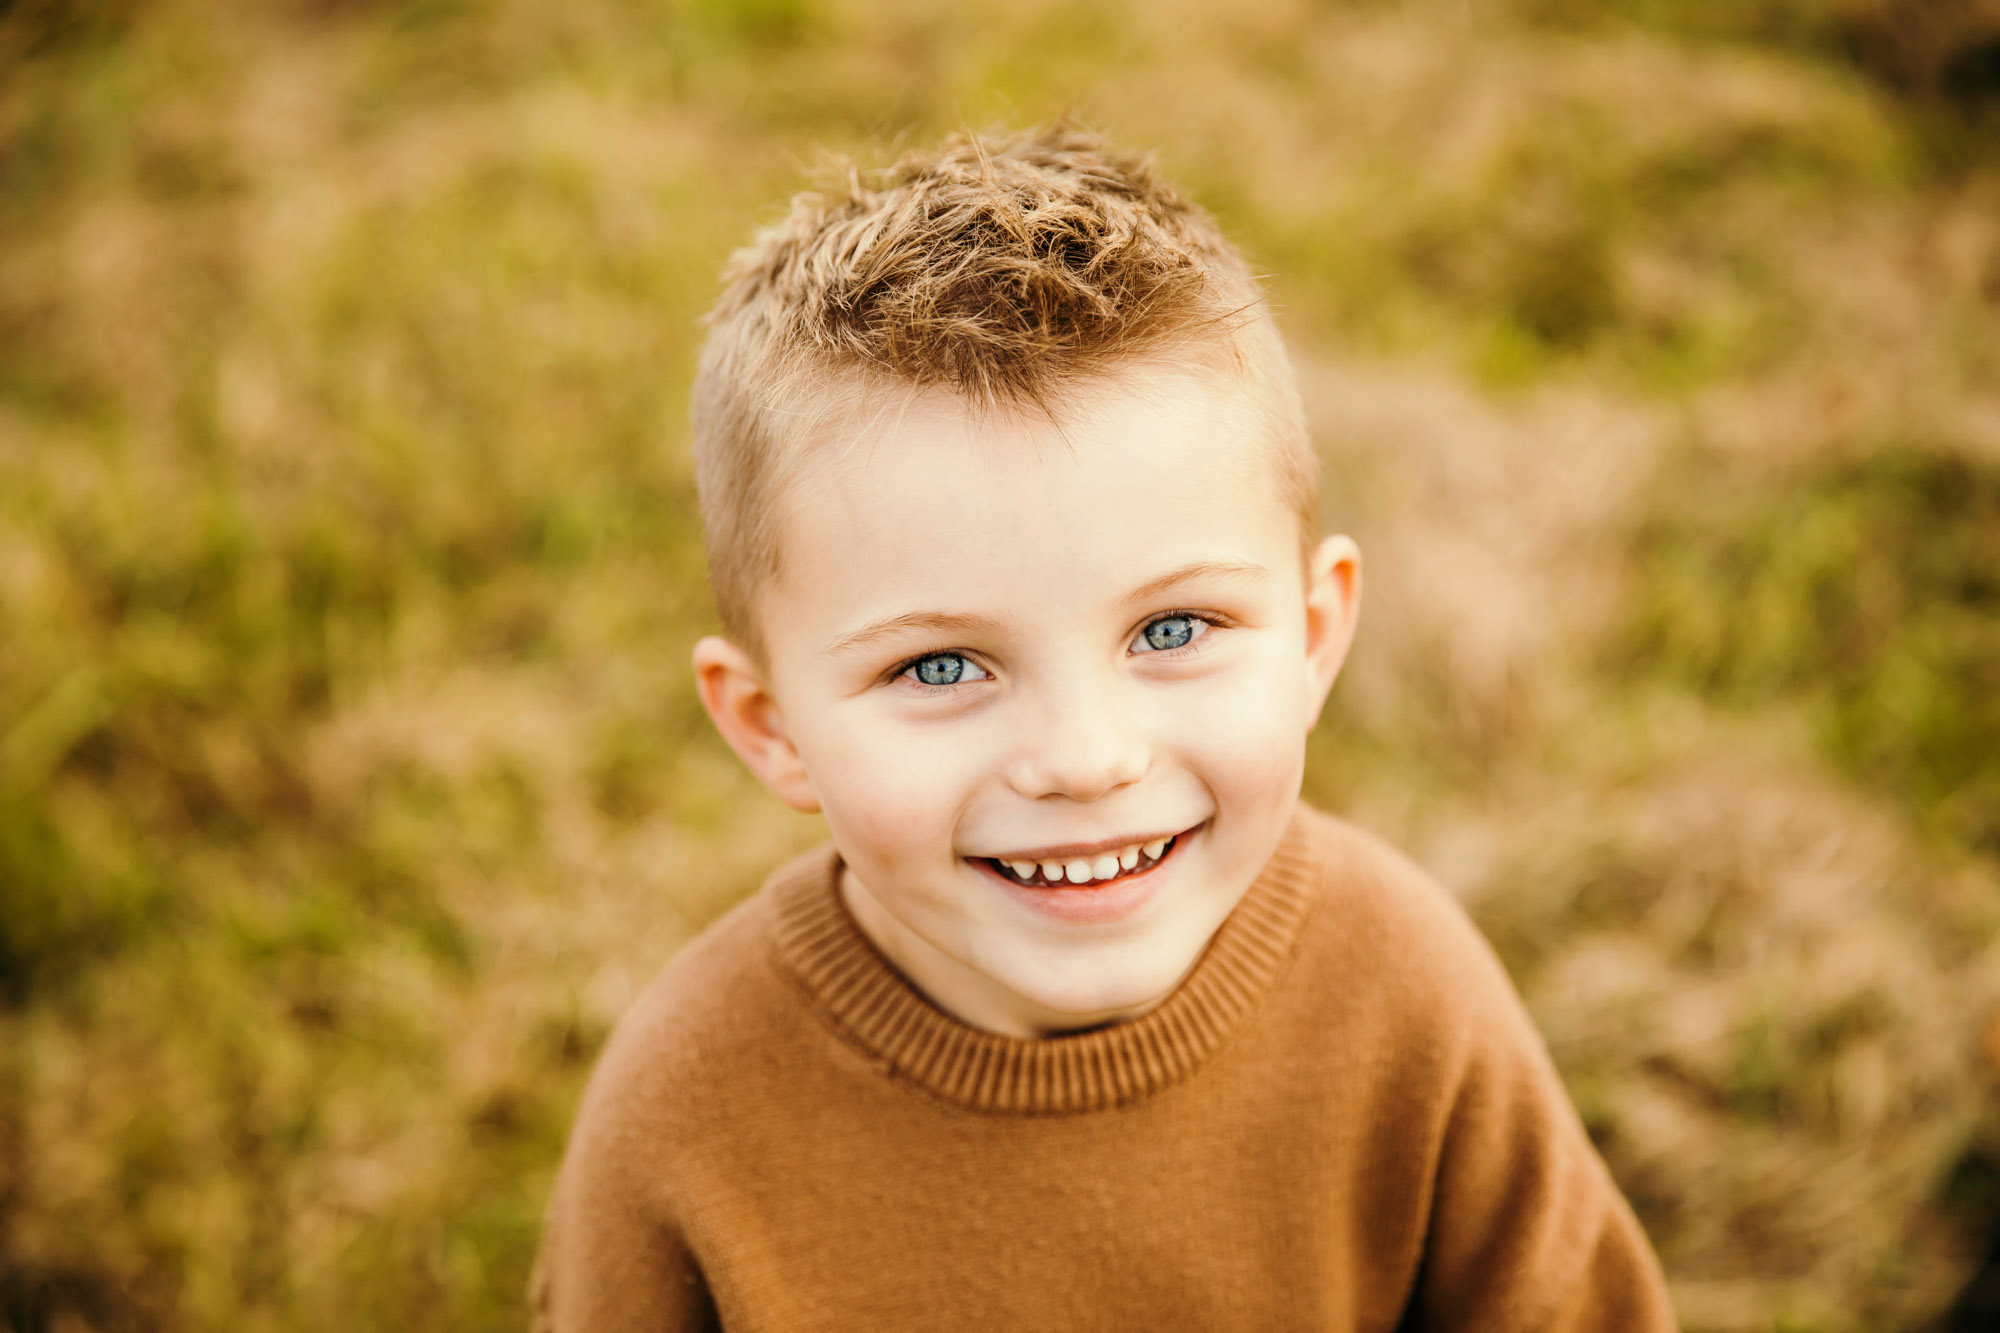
[[1071, 851]]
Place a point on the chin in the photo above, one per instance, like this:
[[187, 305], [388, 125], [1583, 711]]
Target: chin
[[1096, 997]]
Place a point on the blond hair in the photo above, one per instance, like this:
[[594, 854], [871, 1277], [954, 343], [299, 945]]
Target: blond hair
[[1010, 272]]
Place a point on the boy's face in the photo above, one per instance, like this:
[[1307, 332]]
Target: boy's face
[[1002, 647]]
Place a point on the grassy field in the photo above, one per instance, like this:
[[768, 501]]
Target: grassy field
[[351, 778]]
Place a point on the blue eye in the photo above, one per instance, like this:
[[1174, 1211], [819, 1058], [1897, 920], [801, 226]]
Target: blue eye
[[940, 670], [944, 669], [1168, 633]]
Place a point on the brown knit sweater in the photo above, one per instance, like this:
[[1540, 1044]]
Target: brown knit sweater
[[1342, 1119]]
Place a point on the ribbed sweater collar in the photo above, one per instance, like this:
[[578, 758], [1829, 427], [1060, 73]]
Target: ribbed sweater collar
[[872, 1006]]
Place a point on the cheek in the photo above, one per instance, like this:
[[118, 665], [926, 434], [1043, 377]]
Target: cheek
[[889, 786], [1245, 734]]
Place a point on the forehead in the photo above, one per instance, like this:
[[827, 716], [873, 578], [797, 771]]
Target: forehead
[[921, 503]]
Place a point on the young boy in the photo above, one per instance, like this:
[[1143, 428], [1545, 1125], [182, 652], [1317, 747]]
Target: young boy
[[1081, 1022]]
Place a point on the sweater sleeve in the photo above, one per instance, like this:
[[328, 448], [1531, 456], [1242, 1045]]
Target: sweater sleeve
[[1528, 1232], [619, 1252], [610, 1262]]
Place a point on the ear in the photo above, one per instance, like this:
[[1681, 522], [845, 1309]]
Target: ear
[[745, 711], [1333, 603]]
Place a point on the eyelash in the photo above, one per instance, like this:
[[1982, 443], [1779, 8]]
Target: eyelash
[[901, 671]]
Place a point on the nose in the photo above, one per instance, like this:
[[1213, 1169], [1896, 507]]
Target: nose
[[1082, 744]]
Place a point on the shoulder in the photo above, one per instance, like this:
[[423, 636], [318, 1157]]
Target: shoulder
[[1390, 947], [719, 1019], [1375, 899], [1524, 1227], [705, 1041]]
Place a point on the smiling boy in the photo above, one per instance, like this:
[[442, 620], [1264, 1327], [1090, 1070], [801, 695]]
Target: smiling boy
[[1081, 1021]]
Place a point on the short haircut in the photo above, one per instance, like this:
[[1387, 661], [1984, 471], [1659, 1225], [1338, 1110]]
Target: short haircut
[[1012, 272]]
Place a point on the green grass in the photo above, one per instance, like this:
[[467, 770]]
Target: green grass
[[1866, 591]]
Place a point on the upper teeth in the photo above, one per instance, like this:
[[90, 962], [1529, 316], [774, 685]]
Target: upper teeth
[[1084, 870]]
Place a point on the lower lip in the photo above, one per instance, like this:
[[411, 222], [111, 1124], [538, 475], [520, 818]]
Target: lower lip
[[1114, 900]]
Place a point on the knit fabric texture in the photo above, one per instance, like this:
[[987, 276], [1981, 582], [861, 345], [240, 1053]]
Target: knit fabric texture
[[1341, 1119]]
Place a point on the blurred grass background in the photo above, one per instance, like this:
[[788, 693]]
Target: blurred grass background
[[351, 780]]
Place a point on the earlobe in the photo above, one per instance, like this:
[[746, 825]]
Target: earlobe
[[1333, 604], [743, 709]]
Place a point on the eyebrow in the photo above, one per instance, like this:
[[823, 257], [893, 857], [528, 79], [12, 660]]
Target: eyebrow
[[945, 622], [931, 622], [1200, 569]]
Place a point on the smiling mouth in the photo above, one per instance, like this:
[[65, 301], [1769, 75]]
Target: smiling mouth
[[1085, 871]]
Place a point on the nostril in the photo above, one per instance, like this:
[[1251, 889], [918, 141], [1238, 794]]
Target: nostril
[[1081, 767]]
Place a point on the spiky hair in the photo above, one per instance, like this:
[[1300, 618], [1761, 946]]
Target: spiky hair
[[1007, 271]]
